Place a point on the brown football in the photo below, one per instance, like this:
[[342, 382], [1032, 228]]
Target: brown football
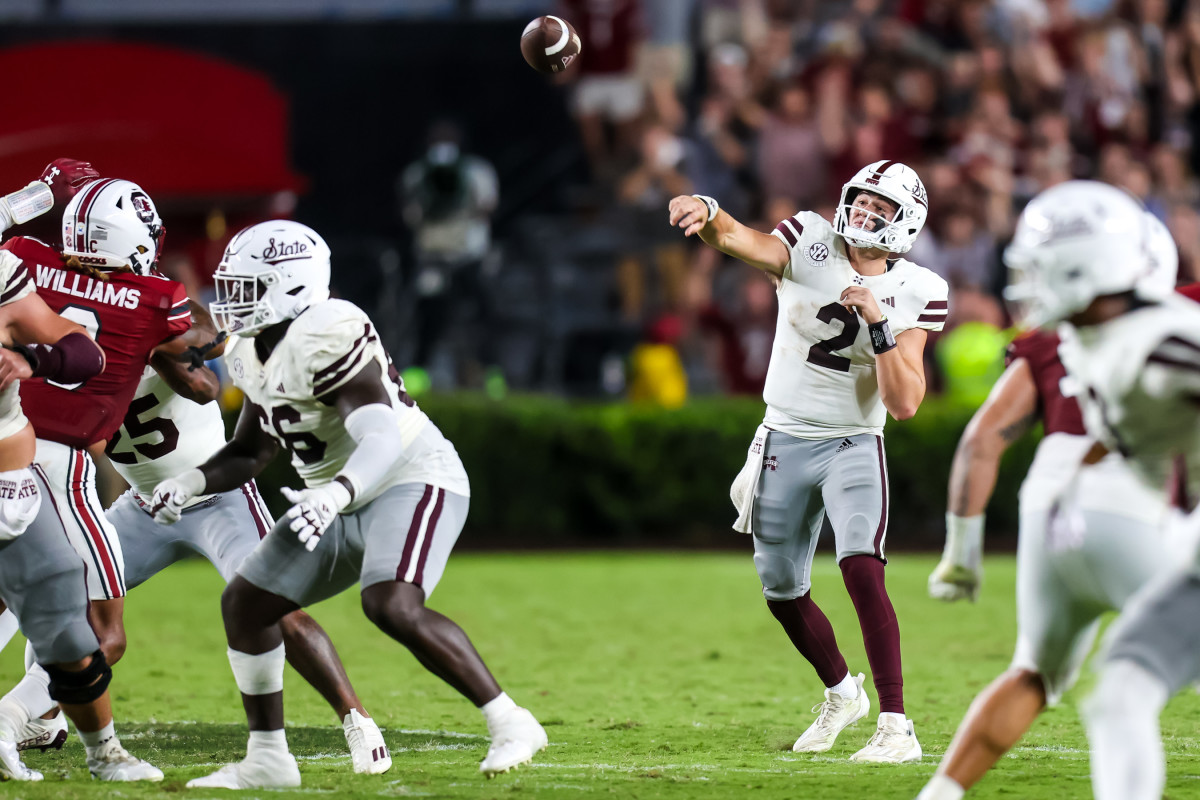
[[550, 44]]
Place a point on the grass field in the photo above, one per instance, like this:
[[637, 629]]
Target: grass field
[[656, 675]]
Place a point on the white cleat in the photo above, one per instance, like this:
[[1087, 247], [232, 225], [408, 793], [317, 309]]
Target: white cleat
[[44, 734], [368, 751], [894, 742], [833, 716], [114, 763], [263, 770], [516, 739], [11, 766], [952, 582]]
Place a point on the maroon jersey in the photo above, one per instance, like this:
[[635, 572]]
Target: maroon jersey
[[1060, 414], [1191, 291], [128, 316]]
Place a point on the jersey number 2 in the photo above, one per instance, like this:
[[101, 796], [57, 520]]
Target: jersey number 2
[[821, 353], [89, 320]]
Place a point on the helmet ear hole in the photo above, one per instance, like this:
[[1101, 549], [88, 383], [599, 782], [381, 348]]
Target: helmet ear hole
[[296, 290]]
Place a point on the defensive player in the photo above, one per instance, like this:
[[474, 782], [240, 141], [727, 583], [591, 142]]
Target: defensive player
[[385, 501], [1090, 537], [853, 320], [142, 318], [41, 578]]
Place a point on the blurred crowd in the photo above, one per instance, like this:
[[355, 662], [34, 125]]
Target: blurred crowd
[[770, 105]]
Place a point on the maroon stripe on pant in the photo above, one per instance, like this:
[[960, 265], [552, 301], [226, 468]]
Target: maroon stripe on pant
[[414, 530], [254, 511], [429, 530], [881, 531]]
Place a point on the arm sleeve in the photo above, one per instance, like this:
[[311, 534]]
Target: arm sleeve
[[17, 282], [373, 428], [936, 308], [179, 313], [1173, 369]]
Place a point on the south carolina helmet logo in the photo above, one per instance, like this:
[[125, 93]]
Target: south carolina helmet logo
[[142, 207]]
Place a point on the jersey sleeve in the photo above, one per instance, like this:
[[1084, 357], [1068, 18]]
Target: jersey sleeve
[[341, 341], [933, 302], [802, 233], [1173, 369], [14, 278], [179, 314]]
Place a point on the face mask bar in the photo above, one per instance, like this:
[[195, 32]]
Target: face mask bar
[[240, 307], [875, 226]]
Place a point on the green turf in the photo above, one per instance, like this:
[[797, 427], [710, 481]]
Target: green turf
[[657, 676]]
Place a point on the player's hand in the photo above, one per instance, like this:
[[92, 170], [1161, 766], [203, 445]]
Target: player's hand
[[861, 300], [314, 510], [688, 213], [172, 495], [13, 367]]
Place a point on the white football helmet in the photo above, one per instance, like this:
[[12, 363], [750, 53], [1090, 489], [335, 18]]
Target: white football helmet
[[113, 224], [899, 184], [1164, 261], [1075, 242], [270, 273]]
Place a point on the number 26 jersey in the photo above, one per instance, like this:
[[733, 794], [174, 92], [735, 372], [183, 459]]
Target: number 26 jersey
[[326, 346], [821, 382]]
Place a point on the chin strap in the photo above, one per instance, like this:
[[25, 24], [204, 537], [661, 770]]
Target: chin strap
[[196, 356]]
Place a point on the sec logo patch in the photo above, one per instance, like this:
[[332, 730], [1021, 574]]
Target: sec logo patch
[[817, 253]]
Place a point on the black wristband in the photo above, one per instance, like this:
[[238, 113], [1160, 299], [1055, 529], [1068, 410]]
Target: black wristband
[[881, 336]]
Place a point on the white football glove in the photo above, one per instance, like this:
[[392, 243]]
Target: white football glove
[[172, 495], [314, 510]]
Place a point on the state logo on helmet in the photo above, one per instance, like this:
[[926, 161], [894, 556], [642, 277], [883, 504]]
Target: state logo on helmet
[[895, 182], [112, 224], [270, 273], [1074, 242]]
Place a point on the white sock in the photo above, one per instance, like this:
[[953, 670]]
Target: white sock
[[30, 698], [258, 673], [8, 627], [964, 540], [899, 719], [1122, 726], [96, 739], [267, 742], [847, 687], [941, 787], [497, 707]]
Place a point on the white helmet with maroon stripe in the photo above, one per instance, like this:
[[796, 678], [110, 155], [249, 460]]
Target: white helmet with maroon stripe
[[895, 182], [113, 224]]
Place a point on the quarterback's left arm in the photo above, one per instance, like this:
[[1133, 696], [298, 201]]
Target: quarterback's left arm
[[367, 413], [899, 361]]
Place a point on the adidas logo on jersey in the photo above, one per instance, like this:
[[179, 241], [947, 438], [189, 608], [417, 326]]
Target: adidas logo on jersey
[[844, 446], [891, 301], [280, 388]]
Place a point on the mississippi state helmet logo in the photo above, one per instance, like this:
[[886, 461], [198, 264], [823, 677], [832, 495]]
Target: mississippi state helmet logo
[[142, 207]]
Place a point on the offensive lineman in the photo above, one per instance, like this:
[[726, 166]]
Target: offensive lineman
[[41, 578], [1090, 537], [385, 499], [839, 365], [142, 318]]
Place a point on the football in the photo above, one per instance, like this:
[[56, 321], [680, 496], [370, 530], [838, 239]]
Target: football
[[550, 44]]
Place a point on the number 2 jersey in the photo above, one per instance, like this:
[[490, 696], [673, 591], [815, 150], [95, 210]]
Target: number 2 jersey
[[821, 382], [326, 346], [128, 315]]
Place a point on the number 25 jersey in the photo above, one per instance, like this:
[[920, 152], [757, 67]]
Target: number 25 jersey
[[326, 346], [821, 382]]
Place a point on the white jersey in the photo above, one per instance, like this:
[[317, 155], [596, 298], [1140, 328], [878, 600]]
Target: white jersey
[[324, 348], [821, 383], [17, 283], [162, 436], [1139, 388]]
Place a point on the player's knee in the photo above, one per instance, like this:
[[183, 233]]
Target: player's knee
[[779, 577], [394, 613], [112, 644], [235, 605], [80, 686]]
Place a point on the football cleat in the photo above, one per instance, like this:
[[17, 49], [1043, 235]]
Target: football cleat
[[951, 582], [833, 716], [112, 762], [894, 742], [11, 766], [44, 734], [516, 738], [368, 751], [260, 771]]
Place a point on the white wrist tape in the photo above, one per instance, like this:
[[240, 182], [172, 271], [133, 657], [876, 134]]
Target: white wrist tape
[[28, 203], [258, 674], [713, 208], [964, 537], [376, 431]]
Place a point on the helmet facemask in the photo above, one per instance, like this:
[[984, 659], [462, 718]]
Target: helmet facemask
[[241, 306]]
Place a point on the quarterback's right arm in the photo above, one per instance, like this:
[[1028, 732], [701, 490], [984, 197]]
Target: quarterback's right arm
[[42, 344], [241, 459], [723, 232]]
